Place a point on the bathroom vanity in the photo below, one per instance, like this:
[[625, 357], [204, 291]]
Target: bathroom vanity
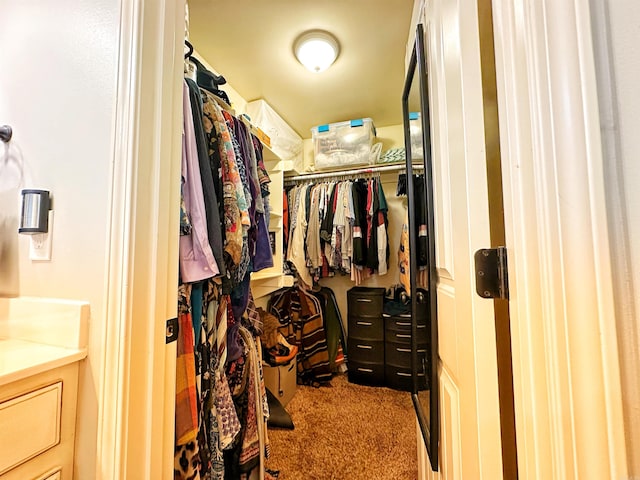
[[42, 342]]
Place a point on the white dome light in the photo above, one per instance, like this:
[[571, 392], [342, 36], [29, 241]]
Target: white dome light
[[316, 50]]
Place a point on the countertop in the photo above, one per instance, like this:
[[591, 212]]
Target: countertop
[[20, 359]]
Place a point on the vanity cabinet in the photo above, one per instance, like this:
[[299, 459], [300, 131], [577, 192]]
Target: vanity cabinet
[[38, 417], [42, 344]]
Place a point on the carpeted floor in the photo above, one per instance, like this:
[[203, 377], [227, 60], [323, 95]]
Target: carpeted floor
[[347, 432]]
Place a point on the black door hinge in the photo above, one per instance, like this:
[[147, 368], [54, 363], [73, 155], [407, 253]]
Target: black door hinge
[[492, 279], [172, 330]]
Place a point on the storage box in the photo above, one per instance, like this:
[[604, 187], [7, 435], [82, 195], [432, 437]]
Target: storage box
[[343, 144], [285, 142], [281, 380]]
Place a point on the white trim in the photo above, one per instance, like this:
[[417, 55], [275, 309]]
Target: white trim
[[142, 260], [566, 381]]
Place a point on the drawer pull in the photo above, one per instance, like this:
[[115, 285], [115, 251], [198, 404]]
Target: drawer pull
[[402, 374], [366, 347], [366, 324], [366, 300], [403, 324], [365, 370], [403, 336], [404, 350]]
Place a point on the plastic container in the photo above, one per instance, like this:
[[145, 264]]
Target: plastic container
[[285, 142], [343, 144]]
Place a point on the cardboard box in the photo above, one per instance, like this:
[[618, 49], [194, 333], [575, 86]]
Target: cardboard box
[[281, 380]]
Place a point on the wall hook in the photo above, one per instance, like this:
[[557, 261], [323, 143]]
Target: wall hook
[[5, 133]]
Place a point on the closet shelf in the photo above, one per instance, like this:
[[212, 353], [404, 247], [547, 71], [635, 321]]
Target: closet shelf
[[265, 282]]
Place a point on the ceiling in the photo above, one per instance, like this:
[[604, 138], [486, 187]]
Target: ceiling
[[250, 42]]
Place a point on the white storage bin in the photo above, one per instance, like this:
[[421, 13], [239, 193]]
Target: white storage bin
[[343, 144], [285, 142]]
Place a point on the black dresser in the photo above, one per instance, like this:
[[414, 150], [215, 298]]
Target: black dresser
[[365, 339], [379, 340], [397, 345]]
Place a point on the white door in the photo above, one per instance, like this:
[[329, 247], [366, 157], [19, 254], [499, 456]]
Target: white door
[[470, 445], [566, 376]]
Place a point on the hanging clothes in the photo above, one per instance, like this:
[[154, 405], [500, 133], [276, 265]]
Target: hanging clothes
[[224, 218], [196, 257], [300, 316], [337, 227]]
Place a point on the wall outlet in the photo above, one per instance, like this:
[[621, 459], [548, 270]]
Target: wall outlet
[[40, 249]]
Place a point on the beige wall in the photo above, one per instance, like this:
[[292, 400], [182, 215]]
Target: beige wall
[[615, 26], [57, 90]]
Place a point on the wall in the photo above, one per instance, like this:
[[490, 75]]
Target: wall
[[58, 66], [616, 27]]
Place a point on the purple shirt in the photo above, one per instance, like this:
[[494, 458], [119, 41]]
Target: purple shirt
[[196, 257]]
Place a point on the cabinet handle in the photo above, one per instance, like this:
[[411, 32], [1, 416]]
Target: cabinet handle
[[366, 370], [403, 336], [402, 374], [366, 324], [366, 347], [366, 300], [403, 350], [403, 324]]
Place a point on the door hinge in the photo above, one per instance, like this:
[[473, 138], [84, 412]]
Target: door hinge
[[492, 279], [172, 330]]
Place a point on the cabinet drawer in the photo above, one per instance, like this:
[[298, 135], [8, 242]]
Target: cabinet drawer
[[366, 328], [366, 373], [365, 302], [31, 425], [51, 476], [365, 350]]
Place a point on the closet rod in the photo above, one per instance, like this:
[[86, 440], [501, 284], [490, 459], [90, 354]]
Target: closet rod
[[357, 171]]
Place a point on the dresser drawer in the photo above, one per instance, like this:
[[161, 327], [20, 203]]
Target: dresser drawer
[[399, 354], [400, 379], [31, 425], [366, 373], [398, 337], [403, 321], [366, 328], [365, 350], [365, 302], [402, 334]]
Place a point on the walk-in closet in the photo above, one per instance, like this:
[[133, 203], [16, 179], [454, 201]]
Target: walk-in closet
[[295, 300], [411, 255]]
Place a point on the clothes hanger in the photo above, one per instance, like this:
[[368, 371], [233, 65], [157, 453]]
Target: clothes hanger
[[189, 48]]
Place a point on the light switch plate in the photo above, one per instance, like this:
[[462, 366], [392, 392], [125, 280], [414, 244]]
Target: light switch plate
[[40, 249]]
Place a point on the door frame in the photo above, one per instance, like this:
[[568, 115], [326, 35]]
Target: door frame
[[565, 355], [135, 435]]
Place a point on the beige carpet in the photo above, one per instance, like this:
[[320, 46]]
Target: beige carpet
[[347, 432]]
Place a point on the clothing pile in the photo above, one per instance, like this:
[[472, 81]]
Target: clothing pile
[[336, 227], [310, 321], [221, 401]]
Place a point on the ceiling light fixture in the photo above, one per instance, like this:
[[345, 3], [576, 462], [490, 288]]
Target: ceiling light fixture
[[316, 50]]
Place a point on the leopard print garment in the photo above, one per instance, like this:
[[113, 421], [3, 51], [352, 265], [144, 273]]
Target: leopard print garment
[[187, 462]]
